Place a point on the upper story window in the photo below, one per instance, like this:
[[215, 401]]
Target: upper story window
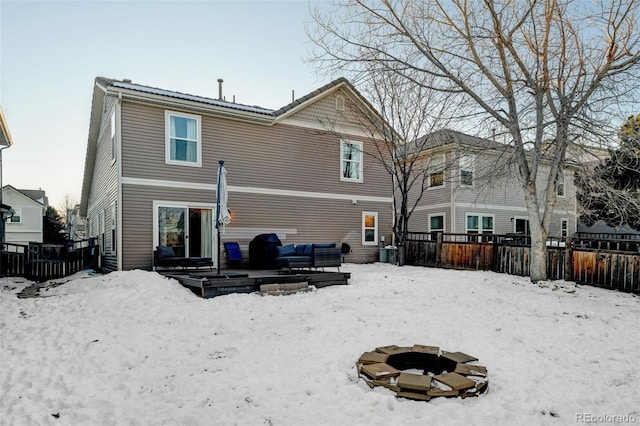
[[436, 171], [560, 184], [183, 140], [17, 216], [351, 161], [113, 135], [479, 224], [340, 103], [467, 165]]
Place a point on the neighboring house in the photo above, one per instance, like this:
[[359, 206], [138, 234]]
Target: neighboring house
[[76, 224], [473, 188], [26, 224], [151, 169]]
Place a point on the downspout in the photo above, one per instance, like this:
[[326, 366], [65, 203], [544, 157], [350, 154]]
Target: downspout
[[119, 233]]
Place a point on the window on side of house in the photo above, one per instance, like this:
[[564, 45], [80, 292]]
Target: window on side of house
[[101, 235], [564, 227], [467, 165], [340, 103], [521, 226], [113, 228], [17, 216], [113, 136], [436, 224], [436, 171], [183, 140], [369, 228], [560, 184], [350, 161], [479, 224]]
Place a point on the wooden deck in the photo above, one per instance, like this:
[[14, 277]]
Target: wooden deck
[[209, 284]]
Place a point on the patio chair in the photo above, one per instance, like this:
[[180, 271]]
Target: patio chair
[[233, 253]]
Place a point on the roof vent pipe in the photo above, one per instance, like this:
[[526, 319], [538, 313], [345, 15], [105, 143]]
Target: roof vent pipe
[[220, 88]]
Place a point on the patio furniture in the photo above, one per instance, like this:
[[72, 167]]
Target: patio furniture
[[165, 257], [233, 253], [303, 256]]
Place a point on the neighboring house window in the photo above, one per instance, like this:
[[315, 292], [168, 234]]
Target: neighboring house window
[[369, 228], [183, 143], [436, 224], [113, 228], [351, 161], [17, 216], [436, 171], [564, 227], [479, 224], [521, 226], [560, 184], [340, 103], [101, 231], [113, 135], [466, 170]]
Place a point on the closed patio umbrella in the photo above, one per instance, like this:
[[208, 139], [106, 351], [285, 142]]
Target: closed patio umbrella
[[223, 217]]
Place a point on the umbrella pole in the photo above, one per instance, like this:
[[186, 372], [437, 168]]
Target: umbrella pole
[[221, 163]]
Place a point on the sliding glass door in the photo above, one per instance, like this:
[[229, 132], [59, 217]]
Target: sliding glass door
[[188, 230]]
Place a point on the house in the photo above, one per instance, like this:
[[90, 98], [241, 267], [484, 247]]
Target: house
[[76, 225], [299, 171], [29, 207], [472, 188], [5, 142]]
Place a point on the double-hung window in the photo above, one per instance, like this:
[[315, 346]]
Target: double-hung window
[[350, 161], [436, 171], [183, 139], [369, 228], [436, 224], [466, 170], [479, 224], [560, 184]]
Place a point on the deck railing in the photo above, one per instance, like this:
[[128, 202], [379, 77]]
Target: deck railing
[[41, 262], [607, 263]]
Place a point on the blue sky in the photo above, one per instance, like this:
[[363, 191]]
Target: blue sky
[[51, 51]]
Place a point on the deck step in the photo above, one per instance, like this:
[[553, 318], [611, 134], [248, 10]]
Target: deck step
[[283, 289]]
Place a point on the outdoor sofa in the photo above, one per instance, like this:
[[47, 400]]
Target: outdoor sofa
[[303, 256], [164, 256]]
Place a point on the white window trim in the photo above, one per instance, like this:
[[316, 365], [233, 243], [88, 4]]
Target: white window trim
[[480, 216], [562, 179], [563, 221], [444, 184], [17, 212], [521, 218], [472, 160], [444, 221], [114, 132], [375, 239], [360, 179], [167, 138], [113, 228]]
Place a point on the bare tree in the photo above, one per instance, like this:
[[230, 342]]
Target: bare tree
[[546, 73]]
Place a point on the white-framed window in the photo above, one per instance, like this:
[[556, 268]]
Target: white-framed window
[[564, 227], [17, 216], [113, 135], [340, 103], [479, 223], [113, 228], [521, 225], [436, 222], [350, 161], [183, 139], [560, 184], [369, 228], [467, 166], [101, 226], [436, 171]]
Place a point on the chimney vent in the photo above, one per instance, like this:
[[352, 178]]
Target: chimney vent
[[220, 88], [126, 80]]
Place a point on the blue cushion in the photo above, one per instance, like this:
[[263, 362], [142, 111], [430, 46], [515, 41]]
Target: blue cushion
[[303, 250], [288, 250], [165, 251]]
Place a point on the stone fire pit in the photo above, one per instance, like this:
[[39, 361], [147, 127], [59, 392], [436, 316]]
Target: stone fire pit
[[423, 372]]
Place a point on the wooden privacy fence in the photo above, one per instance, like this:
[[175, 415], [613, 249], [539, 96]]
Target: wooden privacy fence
[[606, 263], [41, 262]]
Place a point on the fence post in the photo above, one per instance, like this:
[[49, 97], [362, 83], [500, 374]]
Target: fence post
[[568, 260], [438, 249]]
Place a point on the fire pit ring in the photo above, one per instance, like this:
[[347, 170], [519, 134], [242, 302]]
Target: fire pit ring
[[423, 372]]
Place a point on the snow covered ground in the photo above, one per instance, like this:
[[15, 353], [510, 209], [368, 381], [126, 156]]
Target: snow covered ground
[[135, 348]]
